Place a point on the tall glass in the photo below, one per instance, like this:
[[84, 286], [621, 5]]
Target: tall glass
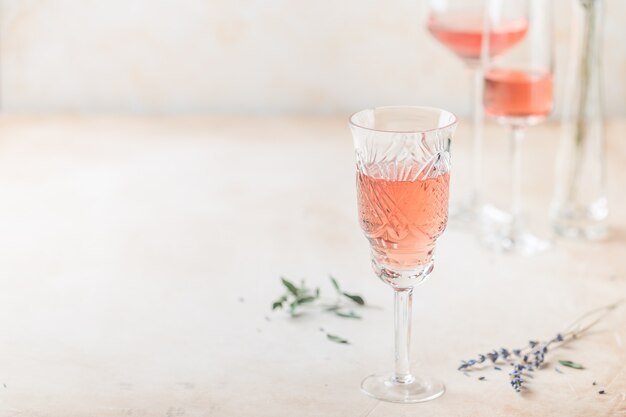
[[402, 168], [459, 25], [519, 93], [580, 205]]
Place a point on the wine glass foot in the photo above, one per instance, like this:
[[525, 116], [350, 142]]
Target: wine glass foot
[[501, 233], [492, 215], [525, 243], [385, 387]]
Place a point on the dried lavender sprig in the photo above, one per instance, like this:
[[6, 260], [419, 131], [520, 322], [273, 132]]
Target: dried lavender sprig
[[572, 331], [532, 356]]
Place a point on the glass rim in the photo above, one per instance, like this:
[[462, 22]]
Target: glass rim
[[452, 123]]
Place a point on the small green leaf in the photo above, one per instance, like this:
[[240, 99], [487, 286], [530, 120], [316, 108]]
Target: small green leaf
[[356, 298], [304, 300], [350, 314], [290, 287], [292, 308], [333, 308], [279, 303], [336, 339], [571, 364], [335, 284], [317, 293]]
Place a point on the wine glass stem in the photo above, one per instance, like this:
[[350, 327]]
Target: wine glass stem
[[402, 325], [517, 135], [477, 139]]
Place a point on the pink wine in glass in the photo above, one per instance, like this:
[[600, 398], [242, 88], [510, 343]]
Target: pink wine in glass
[[402, 219], [514, 93], [463, 33]]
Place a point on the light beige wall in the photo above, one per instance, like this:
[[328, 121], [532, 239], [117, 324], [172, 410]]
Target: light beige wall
[[244, 56]]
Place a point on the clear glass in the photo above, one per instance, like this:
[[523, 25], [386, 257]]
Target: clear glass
[[518, 93], [580, 207], [402, 166], [460, 26]]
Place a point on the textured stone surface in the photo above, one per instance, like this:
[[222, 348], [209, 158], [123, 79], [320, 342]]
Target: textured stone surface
[[140, 258]]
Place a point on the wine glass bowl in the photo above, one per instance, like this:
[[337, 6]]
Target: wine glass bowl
[[518, 97], [402, 169], [461, 28], [402, 239]]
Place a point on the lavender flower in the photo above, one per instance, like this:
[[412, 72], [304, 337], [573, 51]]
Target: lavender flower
[[516, 377], [533, 356]]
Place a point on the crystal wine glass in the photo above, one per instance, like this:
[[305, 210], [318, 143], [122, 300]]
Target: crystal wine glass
[[402, 168], [519, 93], [459, 25]]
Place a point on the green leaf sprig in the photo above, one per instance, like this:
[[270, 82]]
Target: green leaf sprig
[[338, 306], [296, 297]]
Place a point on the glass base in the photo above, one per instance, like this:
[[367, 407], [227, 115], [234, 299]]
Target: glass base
[[521, 243], [492, 215], [499, 234], [585, 231], [416, 390], [587, 222]]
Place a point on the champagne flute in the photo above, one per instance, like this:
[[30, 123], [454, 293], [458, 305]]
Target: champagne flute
[[459, 25], [402, 167], [519, 93]]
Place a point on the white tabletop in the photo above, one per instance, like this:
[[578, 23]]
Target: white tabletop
[[140, 257]]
